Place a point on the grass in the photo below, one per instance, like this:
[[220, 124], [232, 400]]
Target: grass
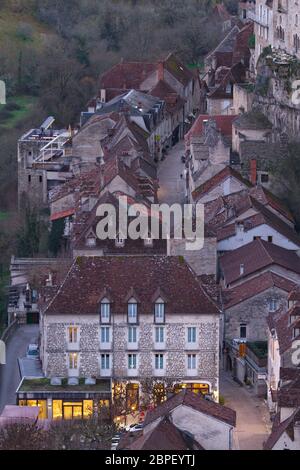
[[44, 385], [10, 24], [25, 106], [3, 216]]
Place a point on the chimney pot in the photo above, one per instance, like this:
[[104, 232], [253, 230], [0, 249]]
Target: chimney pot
[[242, 269]]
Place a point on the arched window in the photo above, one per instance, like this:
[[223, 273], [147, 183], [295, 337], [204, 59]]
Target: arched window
[[105, 310]]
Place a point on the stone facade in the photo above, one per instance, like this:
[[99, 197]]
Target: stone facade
[[55, 348], [253, 313]]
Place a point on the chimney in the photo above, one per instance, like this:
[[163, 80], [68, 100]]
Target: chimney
[[160, 71], [242, 269], [253, 171]]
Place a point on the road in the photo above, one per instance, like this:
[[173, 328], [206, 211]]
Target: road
[[172, 186], [9, 374], [253, 424]]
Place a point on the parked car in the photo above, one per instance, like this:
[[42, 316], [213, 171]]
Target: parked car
[[32, 351], [136, 428]]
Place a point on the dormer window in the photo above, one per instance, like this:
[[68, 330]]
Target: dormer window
[[273, 305], [159, 311], [294, 318], [91, 241], [296, 332], [120, 242], [105, 310], [148, 242], [132, 311]]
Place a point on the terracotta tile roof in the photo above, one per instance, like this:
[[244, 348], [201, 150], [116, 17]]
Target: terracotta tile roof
[[173, 100], [256, 256], [62, 214], [255, 286], [295, 294], [279, 428], [127, 75], [283, 326], [289, 393], [217, 179], [265, 197], [263, 217], [90, 276], [241, 49], [224, 125], [197, 402], [176, 68], [288, 373]]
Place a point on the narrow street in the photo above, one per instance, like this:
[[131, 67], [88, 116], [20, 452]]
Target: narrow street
[[172, 186], [9, 374], [253, 424]]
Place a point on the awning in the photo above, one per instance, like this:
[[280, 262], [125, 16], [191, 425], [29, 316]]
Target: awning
[[62, 215]]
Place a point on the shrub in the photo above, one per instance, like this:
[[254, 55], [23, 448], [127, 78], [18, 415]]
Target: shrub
[[24, 31]]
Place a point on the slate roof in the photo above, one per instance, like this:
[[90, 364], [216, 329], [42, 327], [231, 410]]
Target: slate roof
[[89, 277], [254, 120], [256, 256], [255, 286], [197, 403]]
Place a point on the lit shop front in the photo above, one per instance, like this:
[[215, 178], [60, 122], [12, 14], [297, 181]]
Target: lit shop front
[[66, 402]]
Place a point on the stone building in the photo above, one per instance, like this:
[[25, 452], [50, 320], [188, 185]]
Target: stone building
[[132, 319], [43, 163], [277, 25]]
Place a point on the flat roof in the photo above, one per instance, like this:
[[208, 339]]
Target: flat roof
[[33, 385]]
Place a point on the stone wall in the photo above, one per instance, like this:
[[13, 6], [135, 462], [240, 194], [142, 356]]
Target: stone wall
[[252, 312], [55, 360]]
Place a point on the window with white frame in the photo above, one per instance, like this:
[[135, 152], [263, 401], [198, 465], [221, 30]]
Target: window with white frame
[[159, 334], [132, 311], [296, 332], [73, 361], [192, 335], [73, 334], [105, 361], [192, 361], [105, 334], [120, 242], [132, 334], [159, 361], [273, 305], [159, 311], [105, 311], [132, 361], [148, 242]]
